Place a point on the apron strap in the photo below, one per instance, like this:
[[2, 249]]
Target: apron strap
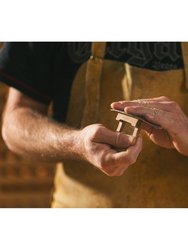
[[92, 83], [184, 47]]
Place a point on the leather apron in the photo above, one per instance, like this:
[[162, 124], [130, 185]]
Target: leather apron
[[159, 178]]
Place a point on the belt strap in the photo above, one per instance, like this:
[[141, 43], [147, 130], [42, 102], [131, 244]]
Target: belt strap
[[93, 80]]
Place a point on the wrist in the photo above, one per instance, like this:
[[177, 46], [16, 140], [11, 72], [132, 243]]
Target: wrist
[[75, 145]]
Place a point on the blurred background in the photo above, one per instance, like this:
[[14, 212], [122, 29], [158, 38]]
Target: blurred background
[[23, 183]]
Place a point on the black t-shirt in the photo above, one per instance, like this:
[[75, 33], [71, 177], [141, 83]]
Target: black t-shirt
[[45, 70]]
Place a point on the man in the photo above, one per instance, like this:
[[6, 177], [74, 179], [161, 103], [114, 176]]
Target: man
[[94, 156]]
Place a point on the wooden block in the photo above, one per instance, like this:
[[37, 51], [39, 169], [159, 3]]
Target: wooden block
[[134, 121], [125, 118]]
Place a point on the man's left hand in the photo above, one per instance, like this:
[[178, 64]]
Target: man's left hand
[[164, 112]]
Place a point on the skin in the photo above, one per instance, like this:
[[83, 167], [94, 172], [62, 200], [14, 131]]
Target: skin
[[29, 132], [167, 114]]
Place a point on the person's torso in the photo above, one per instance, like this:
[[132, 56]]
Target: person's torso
[[69, 56], [158, 179]]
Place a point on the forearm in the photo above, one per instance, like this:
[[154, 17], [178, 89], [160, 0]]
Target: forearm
[[31, 134], [28, 131]]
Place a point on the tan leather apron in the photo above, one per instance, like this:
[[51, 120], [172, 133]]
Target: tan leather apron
[[160, 176]]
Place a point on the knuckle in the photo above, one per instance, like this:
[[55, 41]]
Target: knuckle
[[95, 132], [120, 173], [131, 160], [165, 98], [111, 174], [102, 164], [107, 164], [108, 171], [115, 172], [174, 105]]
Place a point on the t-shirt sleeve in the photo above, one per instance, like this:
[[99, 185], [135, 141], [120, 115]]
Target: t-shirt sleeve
[[27, 67]]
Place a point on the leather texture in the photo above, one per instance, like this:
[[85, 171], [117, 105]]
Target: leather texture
[[159, 178]]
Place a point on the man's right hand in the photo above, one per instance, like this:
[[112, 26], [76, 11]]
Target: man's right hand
[[101, 147], [27, 131]]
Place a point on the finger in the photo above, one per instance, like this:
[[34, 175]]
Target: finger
[[163, 118], [160, 98], [164, 105], [129, 156], [116, 139], [116, 163], [120, 104]]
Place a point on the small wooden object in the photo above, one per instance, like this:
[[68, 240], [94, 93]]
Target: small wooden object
[[135, 122]]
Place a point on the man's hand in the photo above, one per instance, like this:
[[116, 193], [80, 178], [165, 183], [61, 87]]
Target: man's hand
[[29, 132], [101, 147], [165, 113]]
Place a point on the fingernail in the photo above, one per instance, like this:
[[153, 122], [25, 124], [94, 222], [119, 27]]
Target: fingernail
[[113, 104], [116, 105]]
